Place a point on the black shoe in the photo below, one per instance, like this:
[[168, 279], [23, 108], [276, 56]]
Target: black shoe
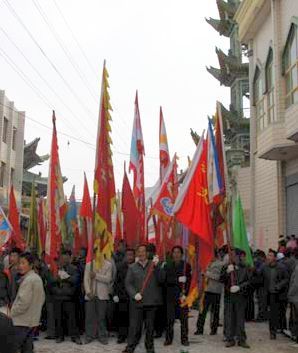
[[121, 340], [76, 340], [198, 332], [167, 343], [213, 333], [230, 344], [185, 343], [88, 340], [272, 335], [49, 337], [59, 339], [243, 344], [158, 335]]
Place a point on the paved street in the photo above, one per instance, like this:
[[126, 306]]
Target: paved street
[[257, 333]]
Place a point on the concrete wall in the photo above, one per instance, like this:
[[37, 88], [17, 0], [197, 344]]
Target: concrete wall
[[268, 206], [12, 158]]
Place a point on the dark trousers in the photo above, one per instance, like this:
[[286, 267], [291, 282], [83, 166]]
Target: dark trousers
[[65, 312], [283, 325], [122, 315], [138, 315], [274, 312], [160, 320], [294, 309], [23, 339], [50, 318], [96, 318], [212, 302], [262, 304], [7, 335], [235, 320], [175, 311]]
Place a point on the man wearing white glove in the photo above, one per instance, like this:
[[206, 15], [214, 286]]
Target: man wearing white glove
[[143, 285], [236, 277], [177, 281]]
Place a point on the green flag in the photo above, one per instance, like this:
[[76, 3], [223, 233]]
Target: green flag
[[33, 237], [240, 240]]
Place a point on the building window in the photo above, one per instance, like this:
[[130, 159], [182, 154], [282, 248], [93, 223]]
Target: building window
[[5, 130], [259, 101], [2, 174], [14, 138], [290, 61], [270, 88], [12, 176]]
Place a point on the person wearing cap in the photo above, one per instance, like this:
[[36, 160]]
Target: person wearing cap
[[236, 278], [275, 279]]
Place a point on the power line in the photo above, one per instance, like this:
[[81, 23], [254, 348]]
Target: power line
[[75, 39], [14, 13], [25, 78], [38, 73], [64, 49], [72, 137]]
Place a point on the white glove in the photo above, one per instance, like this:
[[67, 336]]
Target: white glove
[[234, 289], [155, 260], [138, 297], [230, 268], [182, 279], [182, 298], [115, 299], [63, 274]]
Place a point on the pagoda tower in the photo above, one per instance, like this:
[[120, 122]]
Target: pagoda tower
[[232, 73]]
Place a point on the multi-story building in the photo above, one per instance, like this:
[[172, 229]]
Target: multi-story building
[[269, 28], [12, 123]]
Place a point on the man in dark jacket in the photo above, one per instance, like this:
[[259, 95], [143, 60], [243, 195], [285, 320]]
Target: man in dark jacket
[[121, 297], [142, 283], [235, 277], [177, 282], [4, 289], [63, 288], [275, 279]]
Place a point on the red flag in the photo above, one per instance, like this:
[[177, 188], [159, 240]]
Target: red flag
[[136, 164], [104, 184], [16, 238], [118, 230], [56, 205], [86, 214], [41, 222], [164, 155], [163, 206], [130, 214], [192, 205]]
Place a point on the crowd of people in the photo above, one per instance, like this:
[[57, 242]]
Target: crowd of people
[[86, 302]]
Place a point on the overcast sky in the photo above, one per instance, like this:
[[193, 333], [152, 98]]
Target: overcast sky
[[160, 47]]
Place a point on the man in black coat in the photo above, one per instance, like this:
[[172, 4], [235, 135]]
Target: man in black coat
[[236, 278], [4, 288], [177, 282], [143, 285], [64, 288], [275, 279], [121, 297]]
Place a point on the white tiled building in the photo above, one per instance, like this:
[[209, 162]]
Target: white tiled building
[[12, 123], [270, 30]]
